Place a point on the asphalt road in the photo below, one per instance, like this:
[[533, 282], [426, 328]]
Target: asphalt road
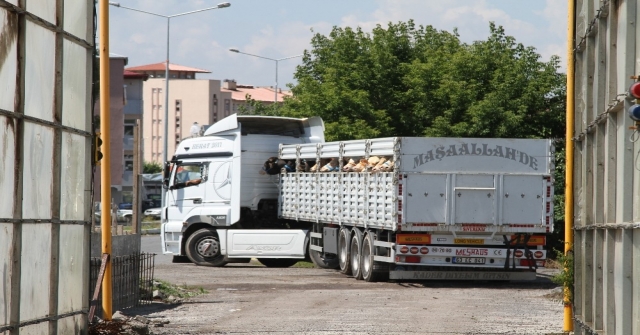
[[251, 299]]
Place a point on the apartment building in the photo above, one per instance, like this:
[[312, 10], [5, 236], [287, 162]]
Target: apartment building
[[191, 100], [125, 108]]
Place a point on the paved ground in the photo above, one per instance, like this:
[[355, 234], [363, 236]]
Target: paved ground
[[250, 299]]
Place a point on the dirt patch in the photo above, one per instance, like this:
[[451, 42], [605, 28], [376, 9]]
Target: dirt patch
[[251, 299]]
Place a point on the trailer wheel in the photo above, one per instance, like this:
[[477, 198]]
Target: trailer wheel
[[203, 248], [344, 241], [278, 262], [356, 253], [371, 270]]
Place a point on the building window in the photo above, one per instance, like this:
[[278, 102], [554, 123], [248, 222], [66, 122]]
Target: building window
[[128, 162], [227, 107], [128, 127]]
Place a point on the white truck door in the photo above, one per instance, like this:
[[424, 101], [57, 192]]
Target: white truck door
[[187, 187]]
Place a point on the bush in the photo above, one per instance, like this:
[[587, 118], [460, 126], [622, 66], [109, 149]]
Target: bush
[[565, 277]]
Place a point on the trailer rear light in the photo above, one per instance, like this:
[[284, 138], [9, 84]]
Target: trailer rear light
[[414, 250], [400, 205], [634, 90], [424, 250], [400, 189], [538, 254], [548, 191], [527, 262], [548, 207], [518, 253], [634, 112], [399, 218], [404, 249], [412, 259]]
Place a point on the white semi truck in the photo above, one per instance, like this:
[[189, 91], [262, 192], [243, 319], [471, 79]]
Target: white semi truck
[[449, 208]]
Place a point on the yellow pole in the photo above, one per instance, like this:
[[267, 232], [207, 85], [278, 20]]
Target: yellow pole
[[105, 166], [568, 190]]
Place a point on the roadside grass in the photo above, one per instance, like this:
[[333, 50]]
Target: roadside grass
[[300, 264], [304, 264], [183, 291], [146, 224]]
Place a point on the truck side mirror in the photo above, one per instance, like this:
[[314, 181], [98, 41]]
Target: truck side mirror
[[166, 172]]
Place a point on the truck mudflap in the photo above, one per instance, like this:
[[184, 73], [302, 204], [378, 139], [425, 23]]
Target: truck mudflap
[[401, 273]]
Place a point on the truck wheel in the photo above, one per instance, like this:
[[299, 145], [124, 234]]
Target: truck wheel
[[323, 260], [278, 262], [356, 252], [203, 248], [371, 270], [344, 241]]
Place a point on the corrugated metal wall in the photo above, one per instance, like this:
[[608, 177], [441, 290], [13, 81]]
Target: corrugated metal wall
[[45, 144], [607, 169]]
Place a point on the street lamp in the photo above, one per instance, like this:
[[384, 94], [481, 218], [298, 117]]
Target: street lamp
[[273, 59], [166, 69]]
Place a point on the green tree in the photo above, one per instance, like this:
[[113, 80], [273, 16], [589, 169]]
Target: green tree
[[254, 107], [151, 167], [409, 80]]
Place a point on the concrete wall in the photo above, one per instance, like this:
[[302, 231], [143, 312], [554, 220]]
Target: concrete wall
[[606, 174]]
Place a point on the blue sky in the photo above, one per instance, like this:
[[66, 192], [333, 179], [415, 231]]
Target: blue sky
[[282, 28]]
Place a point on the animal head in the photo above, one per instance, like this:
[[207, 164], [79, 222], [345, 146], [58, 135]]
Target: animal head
[[330, 166], [350, 164], [273, 165], [373, 160], [362, 164], [303, 167]]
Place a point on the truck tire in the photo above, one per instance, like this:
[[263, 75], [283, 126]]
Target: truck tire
[[322, 260], [344, 242], [355, 251], [278, 262], [203, 248], [371, 270]]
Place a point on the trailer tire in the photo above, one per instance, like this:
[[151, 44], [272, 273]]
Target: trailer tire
[[278, 262], [356, 254], [344, 243], [372, 271], [203, 248]]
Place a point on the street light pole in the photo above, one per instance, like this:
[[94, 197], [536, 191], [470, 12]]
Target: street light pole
[[273, 59], [166, 73]]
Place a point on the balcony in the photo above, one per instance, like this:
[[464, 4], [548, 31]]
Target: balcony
[[133, 107]]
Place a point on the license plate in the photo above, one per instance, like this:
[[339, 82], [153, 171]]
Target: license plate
[[468, 260]]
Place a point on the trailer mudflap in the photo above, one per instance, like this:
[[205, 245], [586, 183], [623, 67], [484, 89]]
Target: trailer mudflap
[[460, 275]]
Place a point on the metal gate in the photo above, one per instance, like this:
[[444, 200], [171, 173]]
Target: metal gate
[[607, 169], [46, 52]]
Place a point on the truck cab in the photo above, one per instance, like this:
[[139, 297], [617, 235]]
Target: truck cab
[[216, 194]]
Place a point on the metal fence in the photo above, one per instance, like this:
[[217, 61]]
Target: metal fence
[[132, 278]]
